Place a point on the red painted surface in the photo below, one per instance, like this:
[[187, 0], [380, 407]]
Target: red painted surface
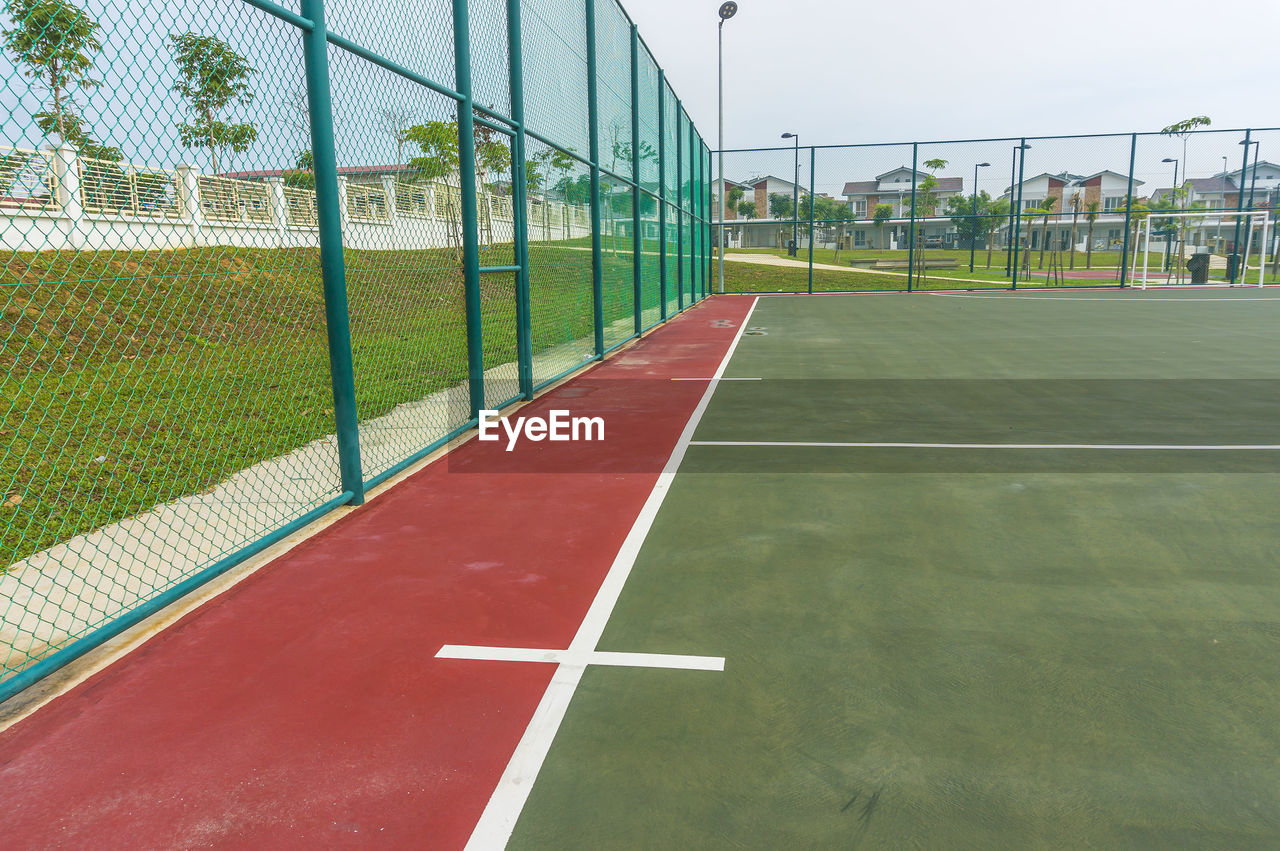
[[305, 708]]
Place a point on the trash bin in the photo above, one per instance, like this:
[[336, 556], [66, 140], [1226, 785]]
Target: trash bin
[[791, 247], [1233, 266], [1198, 266]]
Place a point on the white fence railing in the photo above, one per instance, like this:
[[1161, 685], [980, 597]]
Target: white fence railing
[[99, 204]]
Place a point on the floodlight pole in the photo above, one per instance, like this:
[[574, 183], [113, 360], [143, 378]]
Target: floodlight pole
[[723, 204]]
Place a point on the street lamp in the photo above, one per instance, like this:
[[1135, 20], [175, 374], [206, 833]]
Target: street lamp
[[727, 11], [1013, 176], [973, 224], [795, 197]]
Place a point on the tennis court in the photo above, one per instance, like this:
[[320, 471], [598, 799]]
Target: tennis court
[[927, 570]]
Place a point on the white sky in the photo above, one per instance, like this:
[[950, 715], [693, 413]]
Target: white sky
[[841, 71]]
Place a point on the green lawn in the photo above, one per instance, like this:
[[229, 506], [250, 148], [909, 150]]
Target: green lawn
[[134, 378]]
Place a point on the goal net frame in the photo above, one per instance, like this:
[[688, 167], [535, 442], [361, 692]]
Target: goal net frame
[[1252, 219]]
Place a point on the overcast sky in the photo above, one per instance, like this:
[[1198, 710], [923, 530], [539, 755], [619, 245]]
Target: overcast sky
[[839, 71]]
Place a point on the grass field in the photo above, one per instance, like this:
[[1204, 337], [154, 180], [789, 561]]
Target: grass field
[[963, 648], [132, 378]]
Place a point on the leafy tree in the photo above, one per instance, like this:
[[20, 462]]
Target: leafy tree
[[438, 141], [56, 41], [1075, 217], [733, 197], [967, 214], [997, 211], [882, 214], [212, 77], [780, 206], [533, 176], [1043, 213], [747, 209], [1091, 211], [1183, 130], [924, 206]]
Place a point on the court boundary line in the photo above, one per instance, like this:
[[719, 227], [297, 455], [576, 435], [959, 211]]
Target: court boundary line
[[506, 803], [1132, 447], [1098, 298], [486, 653]]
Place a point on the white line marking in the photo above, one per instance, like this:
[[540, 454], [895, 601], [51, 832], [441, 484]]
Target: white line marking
[[508, 799], [1103, 446], [569, 657], [1138, 299], [712, 379]]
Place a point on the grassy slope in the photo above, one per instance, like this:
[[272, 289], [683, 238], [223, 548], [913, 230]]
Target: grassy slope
[[133, 378]]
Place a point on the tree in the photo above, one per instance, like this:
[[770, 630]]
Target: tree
[[212, 77], [780, 206], [747, 209], [997, 212], [1075, 217], [1091, 211], [438, 142], [56, 41], [395, 122], [882, 214], [1044, 212], [1183, 130], [302, 175], [925, 205], [733, 197], [969, 217]]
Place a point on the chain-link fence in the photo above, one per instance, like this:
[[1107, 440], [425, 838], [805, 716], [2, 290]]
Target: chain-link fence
[[259, 259], [1198, 206]]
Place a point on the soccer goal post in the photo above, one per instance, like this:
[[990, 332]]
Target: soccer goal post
[[1174, 234]]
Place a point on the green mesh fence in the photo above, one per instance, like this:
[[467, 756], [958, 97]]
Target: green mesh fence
[[1107, 210], [258, 259]]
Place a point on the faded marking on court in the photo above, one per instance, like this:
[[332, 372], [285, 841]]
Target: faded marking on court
[[507, 801], [714, 379], [1142, 447], [572, 657], [1137, 299]]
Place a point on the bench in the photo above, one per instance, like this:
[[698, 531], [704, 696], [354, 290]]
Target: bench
[[928, 263]]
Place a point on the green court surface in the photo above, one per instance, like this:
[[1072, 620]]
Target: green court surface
[[954, 647]]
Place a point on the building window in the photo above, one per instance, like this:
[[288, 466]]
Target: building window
[[859, 207], [859, 238], [1114, 202]]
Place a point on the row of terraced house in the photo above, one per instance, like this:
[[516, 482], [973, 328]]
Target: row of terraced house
[[1072, 194]]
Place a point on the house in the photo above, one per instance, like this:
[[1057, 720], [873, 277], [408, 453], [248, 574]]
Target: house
[[1072, 195], [893, 188], [765, 230]]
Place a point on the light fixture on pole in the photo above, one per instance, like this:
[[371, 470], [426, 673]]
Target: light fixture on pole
[[973, 223], [795, 197], [727, 11]]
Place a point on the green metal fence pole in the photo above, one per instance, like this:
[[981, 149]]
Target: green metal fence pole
[[332, 266], [695, 218], [662, 193], [1017, 212], [637, 266], [520, 201], [679, 208], [1128, 211], [467, 184], [911, 230], [593, 136], [1235, 239], [813, 204], [706, 217]]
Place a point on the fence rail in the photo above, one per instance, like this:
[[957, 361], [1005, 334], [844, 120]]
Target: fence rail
[[204, 354]]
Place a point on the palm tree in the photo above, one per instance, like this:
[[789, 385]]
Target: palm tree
[[1045, 212], [1075, 217], [1091, 215]]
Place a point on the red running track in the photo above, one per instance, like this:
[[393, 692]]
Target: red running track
[[304, 707]]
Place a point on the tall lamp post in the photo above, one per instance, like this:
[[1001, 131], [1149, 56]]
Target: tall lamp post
[[795, 197], [1013, 178], [973, 224], [1168, 233], [727, 11]]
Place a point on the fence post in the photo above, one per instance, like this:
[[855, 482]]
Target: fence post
[[1017, 211], [679, 209], [637, 243], [279, 210], [189, 199], [332, 268], [813, 205], [1128, 211], [519, 201], [662, 194], [467, 188], [1244, 168], [66, 172], [593, 151], [389, 190], [911, 231]]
